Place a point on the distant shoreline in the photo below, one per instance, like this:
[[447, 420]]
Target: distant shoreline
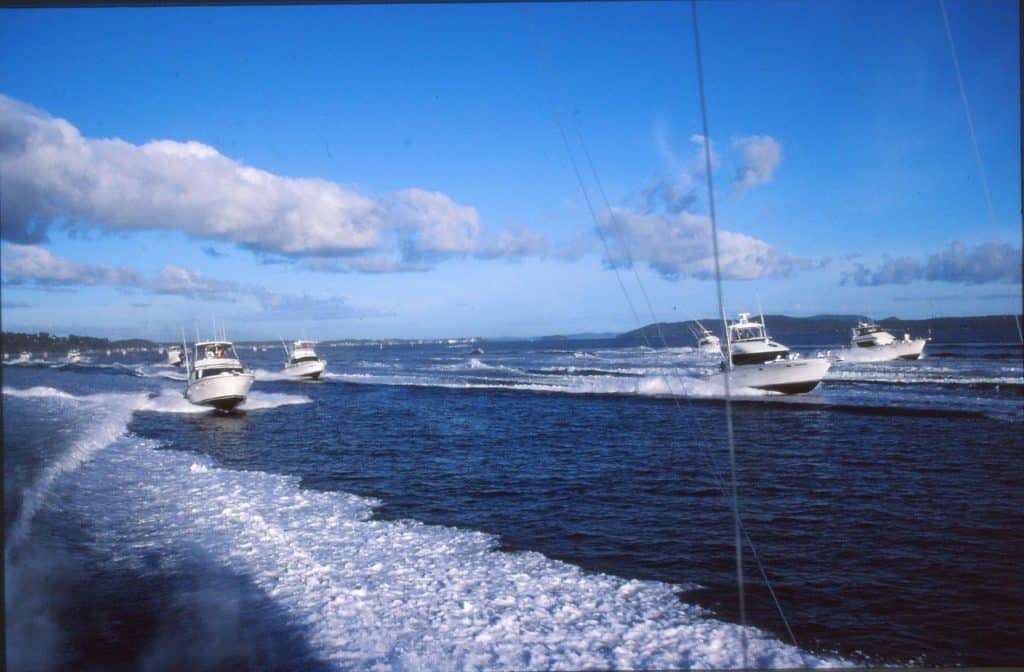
[[673, 332]]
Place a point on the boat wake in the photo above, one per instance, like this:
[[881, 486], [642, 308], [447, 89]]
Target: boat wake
[[109, 415], [585, 383], [401, 594]]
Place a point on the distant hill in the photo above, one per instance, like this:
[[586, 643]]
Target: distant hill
[[14, 342], [828, 328]]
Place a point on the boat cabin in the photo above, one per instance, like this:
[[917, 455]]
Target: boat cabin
[[869, 335], [866, 328], [745, 330], [302, 351], [214, 358]]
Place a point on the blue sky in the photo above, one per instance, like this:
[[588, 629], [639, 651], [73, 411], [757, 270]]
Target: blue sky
[[398, 171]]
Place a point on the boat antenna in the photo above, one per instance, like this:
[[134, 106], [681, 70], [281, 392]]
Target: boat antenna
[[760, 310], [725, 325], [967, 112], [184, 351]]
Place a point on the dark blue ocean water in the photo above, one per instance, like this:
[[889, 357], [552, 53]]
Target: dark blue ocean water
[[536, 506]]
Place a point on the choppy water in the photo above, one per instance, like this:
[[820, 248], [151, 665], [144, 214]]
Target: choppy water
[[537, 506]]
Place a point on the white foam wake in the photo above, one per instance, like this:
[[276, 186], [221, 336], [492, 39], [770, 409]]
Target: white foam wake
[[645, 386], [265, 375], [38, 392], [109, 415], [402, 595]]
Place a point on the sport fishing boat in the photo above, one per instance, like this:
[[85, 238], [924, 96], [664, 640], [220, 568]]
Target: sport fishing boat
[[707, 342], [302, 361], [73, 357], [24, 356], [756, 361], [216, 377], [175, 356], [869, 340]]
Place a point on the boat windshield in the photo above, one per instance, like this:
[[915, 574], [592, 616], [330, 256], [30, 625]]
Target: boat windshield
[[305, 358], [217, 371], [753, 332], [219, 351]]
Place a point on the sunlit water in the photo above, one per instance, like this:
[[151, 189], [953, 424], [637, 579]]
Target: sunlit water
[[537, 506]]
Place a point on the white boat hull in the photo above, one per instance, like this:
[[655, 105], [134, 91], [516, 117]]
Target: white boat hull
[[788, 376], [311, 370], [710, 349], [224, 391], [883, 353]]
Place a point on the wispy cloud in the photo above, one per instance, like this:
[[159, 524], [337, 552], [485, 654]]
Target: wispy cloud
[[211, 251], [681, 190], [53, 174], [31, 264], [515, 244], [892, 271], [575, 248], [679, 244], [278, 306], [760, 155], [983, 263], [174, 280], [5, 304], [675, 241], [987, 262]]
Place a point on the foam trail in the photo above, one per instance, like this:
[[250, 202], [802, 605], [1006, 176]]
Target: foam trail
[[38, 392], [378, 594], [109, 418], [109, 422], [645, 386], [264, 375]]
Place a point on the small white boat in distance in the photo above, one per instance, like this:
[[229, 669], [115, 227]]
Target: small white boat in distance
[[870, 341], [74, 357], [707, 342], [216, 377], [763, 364], [302, 361], [175, 356], [24, 356]]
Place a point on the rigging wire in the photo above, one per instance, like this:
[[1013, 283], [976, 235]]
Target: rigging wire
[[967, 112], [725, 327], [716, 472]]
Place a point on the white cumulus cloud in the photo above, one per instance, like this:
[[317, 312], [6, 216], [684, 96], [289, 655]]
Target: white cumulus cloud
[[55, 176]]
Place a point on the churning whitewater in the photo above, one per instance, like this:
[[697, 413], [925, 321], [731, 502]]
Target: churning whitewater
[[535, 507], [394, 593]]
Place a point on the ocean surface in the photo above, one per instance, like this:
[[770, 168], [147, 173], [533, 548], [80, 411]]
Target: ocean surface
[[543, 505]]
